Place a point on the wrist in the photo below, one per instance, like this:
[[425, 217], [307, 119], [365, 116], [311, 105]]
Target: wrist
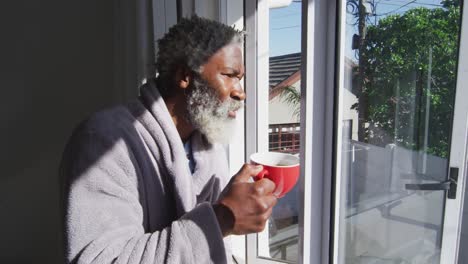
[[225, 218]]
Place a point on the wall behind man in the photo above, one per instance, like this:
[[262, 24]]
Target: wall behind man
[[59, 62]]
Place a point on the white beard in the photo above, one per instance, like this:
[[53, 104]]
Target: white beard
[[209, 115]]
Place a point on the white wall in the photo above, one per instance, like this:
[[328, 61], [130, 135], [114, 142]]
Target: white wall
[[58, 64]]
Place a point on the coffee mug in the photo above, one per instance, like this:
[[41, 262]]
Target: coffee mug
[[281, 168]]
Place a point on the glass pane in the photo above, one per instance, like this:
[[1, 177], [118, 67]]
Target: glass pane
[[397, 92], [284, 124]]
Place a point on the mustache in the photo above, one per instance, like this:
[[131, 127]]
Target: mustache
[[234, 105], [221, 108]]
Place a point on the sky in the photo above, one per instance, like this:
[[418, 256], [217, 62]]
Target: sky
[[285, 23], [285, 29]]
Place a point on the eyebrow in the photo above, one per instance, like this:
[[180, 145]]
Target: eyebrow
[[230, 69], [234, 71]]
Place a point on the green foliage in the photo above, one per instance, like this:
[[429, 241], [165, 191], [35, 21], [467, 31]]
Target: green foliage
[[451, 3], [410, 57], [292, 97]]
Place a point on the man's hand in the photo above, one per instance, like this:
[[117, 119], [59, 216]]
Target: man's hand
[[244, 207]]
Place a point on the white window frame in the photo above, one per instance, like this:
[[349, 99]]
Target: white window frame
[[317, 73], [317, 116], [256, 68], [458, 152]]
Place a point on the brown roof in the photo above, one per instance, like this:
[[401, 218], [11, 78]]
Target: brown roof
[[282, 67]]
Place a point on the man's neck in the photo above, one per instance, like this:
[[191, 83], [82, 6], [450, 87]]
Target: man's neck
[[176, 107]]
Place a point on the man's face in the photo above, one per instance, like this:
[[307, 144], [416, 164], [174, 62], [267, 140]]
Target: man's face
[[216, 94]]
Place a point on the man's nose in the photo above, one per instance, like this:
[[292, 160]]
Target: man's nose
[[238, 93]]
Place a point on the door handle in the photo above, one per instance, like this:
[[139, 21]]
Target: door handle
[[450, 185], [440, 186]]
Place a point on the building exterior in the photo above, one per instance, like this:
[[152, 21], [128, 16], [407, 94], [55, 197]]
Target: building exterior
[[284, 117]]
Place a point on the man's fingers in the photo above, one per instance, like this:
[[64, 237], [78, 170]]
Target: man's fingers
[[264, 186], [247, 171]]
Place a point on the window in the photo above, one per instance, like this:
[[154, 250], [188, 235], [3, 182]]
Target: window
[[284, 79], [395, 170], [285, 60]]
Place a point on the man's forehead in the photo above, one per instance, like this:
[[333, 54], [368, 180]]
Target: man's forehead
[[228, 56]]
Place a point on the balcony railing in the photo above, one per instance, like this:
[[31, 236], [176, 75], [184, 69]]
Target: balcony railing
[[284, 138]]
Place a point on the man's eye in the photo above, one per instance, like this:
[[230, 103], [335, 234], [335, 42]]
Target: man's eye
[[231, 75]]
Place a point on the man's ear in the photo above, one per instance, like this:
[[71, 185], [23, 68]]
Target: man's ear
[[183, 77]]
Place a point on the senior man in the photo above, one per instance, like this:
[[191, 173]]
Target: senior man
[[148, 182]]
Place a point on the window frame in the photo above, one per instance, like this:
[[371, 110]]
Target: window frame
[[317, 115], [458, 151], [256, 114]]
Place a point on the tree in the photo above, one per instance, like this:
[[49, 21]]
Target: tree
[[451, 3], [410, 58], [292, 97]]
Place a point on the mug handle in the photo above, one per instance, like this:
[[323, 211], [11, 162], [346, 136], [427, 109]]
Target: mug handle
[[261, 174]]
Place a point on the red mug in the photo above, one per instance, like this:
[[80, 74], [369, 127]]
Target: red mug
[[281, 168]]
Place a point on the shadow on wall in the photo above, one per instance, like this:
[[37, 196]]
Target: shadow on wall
[[57, 66]]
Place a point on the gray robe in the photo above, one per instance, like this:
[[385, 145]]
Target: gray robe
[[129, 194]]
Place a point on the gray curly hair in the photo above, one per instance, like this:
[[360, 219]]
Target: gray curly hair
[[190, 43]]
